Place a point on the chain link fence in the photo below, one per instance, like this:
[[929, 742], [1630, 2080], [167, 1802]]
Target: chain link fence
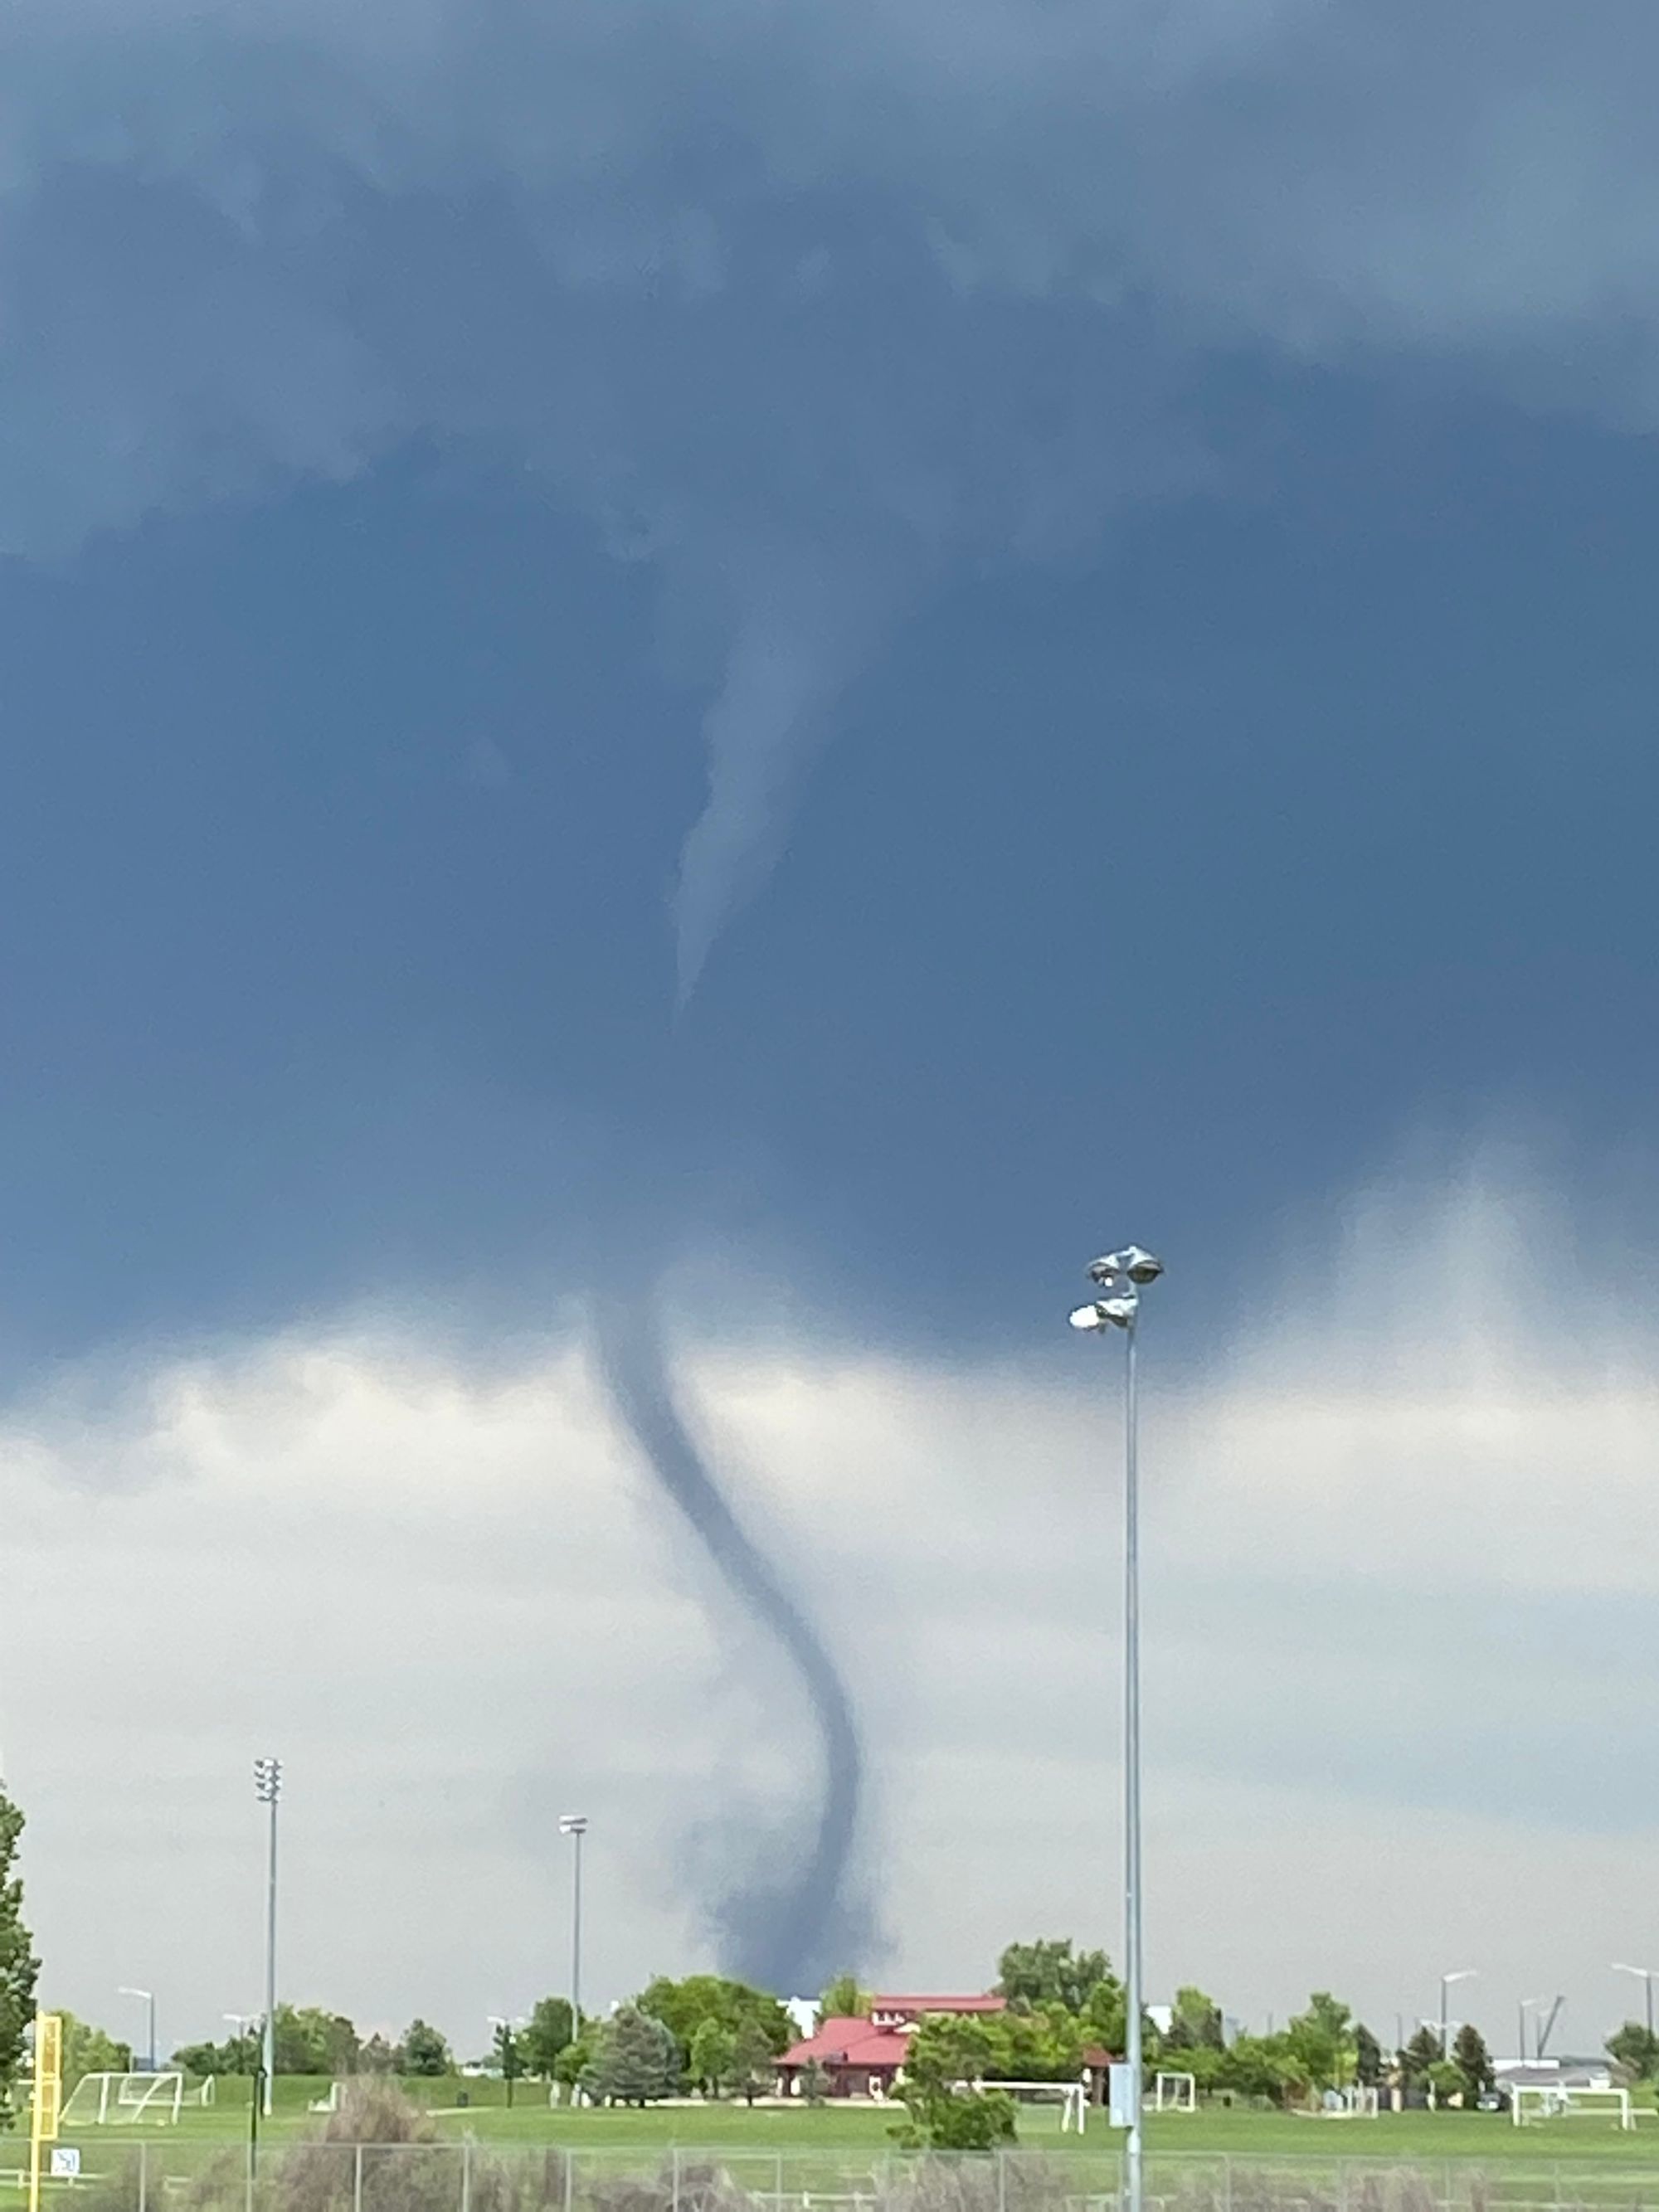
[[470, 2177]]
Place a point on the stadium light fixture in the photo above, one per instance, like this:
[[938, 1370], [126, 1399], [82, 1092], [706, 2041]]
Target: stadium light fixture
[[1121, 1276], [574, 1824], [1646, 1975], [148, 1997], [268, 1790], [1462, 1974]]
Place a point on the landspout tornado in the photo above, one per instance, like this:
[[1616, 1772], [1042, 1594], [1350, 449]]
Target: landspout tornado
[[789, 1931]]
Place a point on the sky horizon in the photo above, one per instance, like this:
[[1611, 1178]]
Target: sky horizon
[[737, 686]]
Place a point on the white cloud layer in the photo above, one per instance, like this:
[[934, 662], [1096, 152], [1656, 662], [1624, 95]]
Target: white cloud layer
[[804, 305], [1402, 1562]]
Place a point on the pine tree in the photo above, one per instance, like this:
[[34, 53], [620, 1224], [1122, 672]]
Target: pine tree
[[637, 2060], [19, 1969], [1473, 2062]]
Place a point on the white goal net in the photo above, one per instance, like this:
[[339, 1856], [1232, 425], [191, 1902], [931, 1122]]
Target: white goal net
[[102, 2101], [1550, 2101], [1174, 2092]]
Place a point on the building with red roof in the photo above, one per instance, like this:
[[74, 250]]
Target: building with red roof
[[865, 2057]]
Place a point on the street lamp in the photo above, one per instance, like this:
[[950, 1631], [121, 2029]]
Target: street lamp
[[1121, 1277], [148, 1997], [1462, 1974], [1645, 1974], [268, 1788], [574, 1824]]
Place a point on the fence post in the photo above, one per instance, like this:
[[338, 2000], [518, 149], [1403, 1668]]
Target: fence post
[[677, 2177], [466, 2174], [357, 2179], [248, 2169], [569, 2178], [1002, 2181], [777, 2193], [143, 2177], [1227, 2183]]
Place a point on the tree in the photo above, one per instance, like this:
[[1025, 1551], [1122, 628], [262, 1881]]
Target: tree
[[1636, 2049], [1048, 1972], [683, 2007], [546, 2035], [1195, 2023], [1259, 2066], [635, 2060], [574, 2064], [950, 2053], [1321, 2040], [423, 2051], [509, 2059], [309, 2040], [89, 2049], [377, 2056], [1044, 2045], [1446, 2079], [815, 2081], [1367, 2057], [1474, 2063], [19, 1969], [713, 2056], [754, 2061], [844, 1999], [1419, 2058]]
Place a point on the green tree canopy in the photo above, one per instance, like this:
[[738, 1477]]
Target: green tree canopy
[[1636, 2049], [712, 2058], [424, 2052], [1419, 2058], [1321, 2040], [684, 2006], [635, 2060], [89, 2050], [1195, 2023], [845, 1998], [1367, 2057], [1473, 2062], [547, 2033], [19, 1969], [949, 2053], [1048, 1972], [310, 2040]]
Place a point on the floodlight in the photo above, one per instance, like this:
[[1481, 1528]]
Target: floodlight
[[267, 1780], [573, 1824], [1088, 1317], [1119, 1311], [1133, 1261]]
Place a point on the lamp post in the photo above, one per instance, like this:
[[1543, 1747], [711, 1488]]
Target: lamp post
[[268, 1788], [574, 1824], [1121, 1277], [1643, 1974], [506, 2049], [1462, 1974], [148, 1997]]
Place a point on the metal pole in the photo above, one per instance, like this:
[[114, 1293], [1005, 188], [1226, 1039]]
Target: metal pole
[[1521, 2014], [576, 1943], [152, 2025], [1647, 1981], [1132, 2053], [270, 1967], [1444, 1985]]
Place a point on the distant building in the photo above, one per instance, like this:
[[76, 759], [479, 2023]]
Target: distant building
[[864, 2058]]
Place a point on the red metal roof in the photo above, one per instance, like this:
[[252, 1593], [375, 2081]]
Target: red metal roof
[[939, 2005], [849, 2043]]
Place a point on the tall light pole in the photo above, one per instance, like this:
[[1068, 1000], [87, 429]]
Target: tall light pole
[[1645, 1974], [574, 1824], [268, 1788], [148, 1997], [1121, 1277], [1462, 1974]]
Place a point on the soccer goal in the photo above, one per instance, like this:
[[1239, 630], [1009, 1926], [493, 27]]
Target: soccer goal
[[1541, 2100], [100, 2100], [1174, 2092]]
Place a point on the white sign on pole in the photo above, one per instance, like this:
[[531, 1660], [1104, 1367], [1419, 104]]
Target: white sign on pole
[[1120, 2097], [65, 2162]]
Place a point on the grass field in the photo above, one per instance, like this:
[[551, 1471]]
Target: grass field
[[865, 2129]]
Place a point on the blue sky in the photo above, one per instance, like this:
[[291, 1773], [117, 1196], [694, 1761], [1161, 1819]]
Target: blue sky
[[834, 662]]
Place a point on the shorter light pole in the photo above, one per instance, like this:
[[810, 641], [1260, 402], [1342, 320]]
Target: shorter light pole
[[148, 1997], [268, 1788], [1646, 1975], [574, 1824], [1462, 1974], [507, 2047]]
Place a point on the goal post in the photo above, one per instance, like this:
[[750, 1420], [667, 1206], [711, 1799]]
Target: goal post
[[1531, 2101], [1174, 2092], [102, 2101]]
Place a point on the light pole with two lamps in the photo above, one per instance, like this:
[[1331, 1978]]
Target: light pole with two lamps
[[1646, 1975], [1121, 1277]]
